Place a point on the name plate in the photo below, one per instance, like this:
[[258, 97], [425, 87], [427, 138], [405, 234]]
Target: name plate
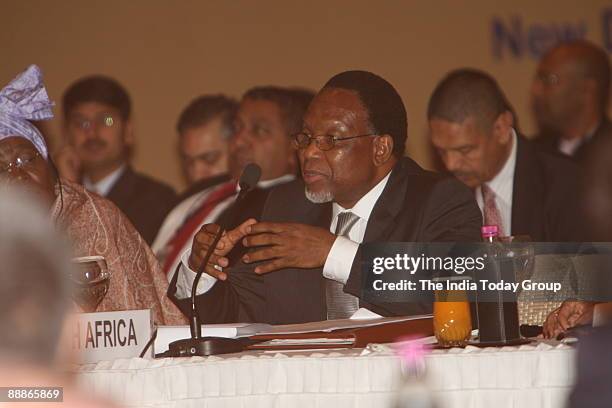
[[109, 335]]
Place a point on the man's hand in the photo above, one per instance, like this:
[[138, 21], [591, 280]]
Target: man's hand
[[68, 164], [570, 314], [287, 246], [204, 239]]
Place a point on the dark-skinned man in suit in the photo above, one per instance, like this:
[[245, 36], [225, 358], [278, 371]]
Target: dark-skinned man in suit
[[570, 96], [351, 154]]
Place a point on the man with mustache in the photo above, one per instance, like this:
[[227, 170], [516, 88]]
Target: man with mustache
[[357, 188], [98, 126], [204, 128], [518, 188], [267, 118]]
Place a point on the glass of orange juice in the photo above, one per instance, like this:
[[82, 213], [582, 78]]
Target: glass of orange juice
[[451, 314]]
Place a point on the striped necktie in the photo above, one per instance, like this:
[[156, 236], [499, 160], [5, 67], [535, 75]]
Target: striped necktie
[[341, 305], [182, 236], [491, 213]]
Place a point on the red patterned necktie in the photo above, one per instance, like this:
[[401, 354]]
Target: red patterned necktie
[[194, 221], [490, 211]]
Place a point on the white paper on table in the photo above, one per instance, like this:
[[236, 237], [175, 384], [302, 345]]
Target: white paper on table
[[306, 342], [364, 313], [362, 318], [331, 325]]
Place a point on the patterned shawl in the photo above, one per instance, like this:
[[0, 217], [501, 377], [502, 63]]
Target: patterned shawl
[[96, 227]]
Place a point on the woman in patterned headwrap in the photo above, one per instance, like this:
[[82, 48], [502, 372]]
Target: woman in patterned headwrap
[[94, 225]]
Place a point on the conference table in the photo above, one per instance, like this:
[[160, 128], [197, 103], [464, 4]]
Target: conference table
[[535, 375]]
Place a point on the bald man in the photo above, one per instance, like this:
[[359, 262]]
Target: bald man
[[569, 98]]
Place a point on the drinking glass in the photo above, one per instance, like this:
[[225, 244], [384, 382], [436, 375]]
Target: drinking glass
[[90, 278], [451, 313]]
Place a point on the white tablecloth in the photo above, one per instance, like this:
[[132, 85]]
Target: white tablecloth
[[510, 377]]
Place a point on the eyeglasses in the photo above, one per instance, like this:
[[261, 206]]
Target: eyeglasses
[[106, 121], [324, 142], [548, 79], [23, 161]]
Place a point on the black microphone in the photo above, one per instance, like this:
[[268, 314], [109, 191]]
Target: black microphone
[[248, 180], [197, 345]]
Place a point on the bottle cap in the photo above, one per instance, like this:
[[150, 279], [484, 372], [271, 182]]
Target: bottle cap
[[488, 231]]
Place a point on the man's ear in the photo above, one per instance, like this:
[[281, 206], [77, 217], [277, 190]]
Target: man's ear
[[383, 149], [502, 127]]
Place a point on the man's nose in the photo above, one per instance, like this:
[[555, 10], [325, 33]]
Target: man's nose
[[312, 150], [91, 131], [452, 161], [242, 138]]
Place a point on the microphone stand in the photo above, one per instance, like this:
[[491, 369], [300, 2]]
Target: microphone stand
[[194, 322], [206, 346]]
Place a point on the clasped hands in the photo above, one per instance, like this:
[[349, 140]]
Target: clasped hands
[[570, 314], [278, 246]]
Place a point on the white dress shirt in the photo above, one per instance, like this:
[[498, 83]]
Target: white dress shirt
[[177, 217], [186, 275], [104, 186], [340, 258], [570, 146], [503, 185]]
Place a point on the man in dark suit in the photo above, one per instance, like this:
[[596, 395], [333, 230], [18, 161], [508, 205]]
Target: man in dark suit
[[97, 114], [518, 188], [357, 188], [267, 118], [143, 200], [569, 98]]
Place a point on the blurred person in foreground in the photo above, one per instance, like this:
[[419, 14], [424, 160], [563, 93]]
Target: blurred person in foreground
[[594, 360], [100, 134], [569, 99], [34, 298], [93, 224]]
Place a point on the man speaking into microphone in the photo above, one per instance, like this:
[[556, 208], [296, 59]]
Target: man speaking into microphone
[[357, 188]]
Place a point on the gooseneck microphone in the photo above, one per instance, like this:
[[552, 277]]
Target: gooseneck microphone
[[248, 181], [203, 346]]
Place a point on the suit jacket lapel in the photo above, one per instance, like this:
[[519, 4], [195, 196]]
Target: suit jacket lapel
[[323, 217], [588, 147], [390, 203], [526, 191], [123, 187]]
